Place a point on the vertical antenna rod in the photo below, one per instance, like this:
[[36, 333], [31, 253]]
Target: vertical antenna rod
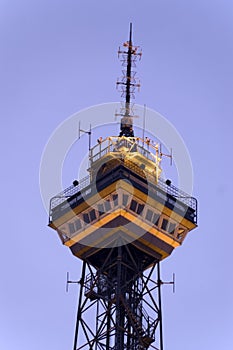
[[128, 73], [128, 84]]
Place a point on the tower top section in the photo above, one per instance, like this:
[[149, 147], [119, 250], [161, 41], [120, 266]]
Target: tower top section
[[128, 83]]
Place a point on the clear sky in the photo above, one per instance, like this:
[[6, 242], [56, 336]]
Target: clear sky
[[58, 57]]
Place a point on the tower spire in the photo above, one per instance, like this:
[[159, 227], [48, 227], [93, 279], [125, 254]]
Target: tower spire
[[129, 65], [128, 83]]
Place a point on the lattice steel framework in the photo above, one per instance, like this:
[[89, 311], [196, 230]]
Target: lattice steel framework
[[119, 304]]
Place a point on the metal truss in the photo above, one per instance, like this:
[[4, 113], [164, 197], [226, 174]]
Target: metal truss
[[119, 305]]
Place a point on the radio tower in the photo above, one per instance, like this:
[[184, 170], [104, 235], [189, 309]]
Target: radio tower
[[121, 221]]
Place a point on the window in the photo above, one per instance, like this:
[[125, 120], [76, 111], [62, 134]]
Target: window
[[152, 216], [140, 208], [115, 199], [156, 219], [101, 209], [107, 205], [77, 224], [92, 215], [133, 205], [136, 207], [71, 227], [86, 218], [149, 215], [164, 224], [168, 226], [171, 228], [125, 199], [180, 233]]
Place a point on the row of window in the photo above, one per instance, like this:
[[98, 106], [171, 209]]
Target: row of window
[[137, 207], [93, 214], [154, 217]]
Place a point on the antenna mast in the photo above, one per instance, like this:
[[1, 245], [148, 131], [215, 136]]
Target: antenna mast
[[128, 84]]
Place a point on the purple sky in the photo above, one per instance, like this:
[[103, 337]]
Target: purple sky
[[58, 57]]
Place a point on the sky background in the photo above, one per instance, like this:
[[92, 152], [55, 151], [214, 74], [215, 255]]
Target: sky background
[[58, 57]]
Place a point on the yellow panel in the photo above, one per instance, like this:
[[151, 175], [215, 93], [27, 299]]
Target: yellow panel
[[129, 189], [145, 243], [145, 227], [83, 206], [148, 228], [93, 227]]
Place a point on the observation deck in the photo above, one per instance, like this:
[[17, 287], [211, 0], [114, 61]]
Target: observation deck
[[123, 196]]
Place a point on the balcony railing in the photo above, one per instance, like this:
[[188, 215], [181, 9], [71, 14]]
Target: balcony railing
[[128, 144], [168, 195], [86, 182], [165, 190]]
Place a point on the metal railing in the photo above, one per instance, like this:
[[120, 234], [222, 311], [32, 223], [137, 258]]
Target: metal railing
[[69, 192], [85, 185], [130, 144]]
